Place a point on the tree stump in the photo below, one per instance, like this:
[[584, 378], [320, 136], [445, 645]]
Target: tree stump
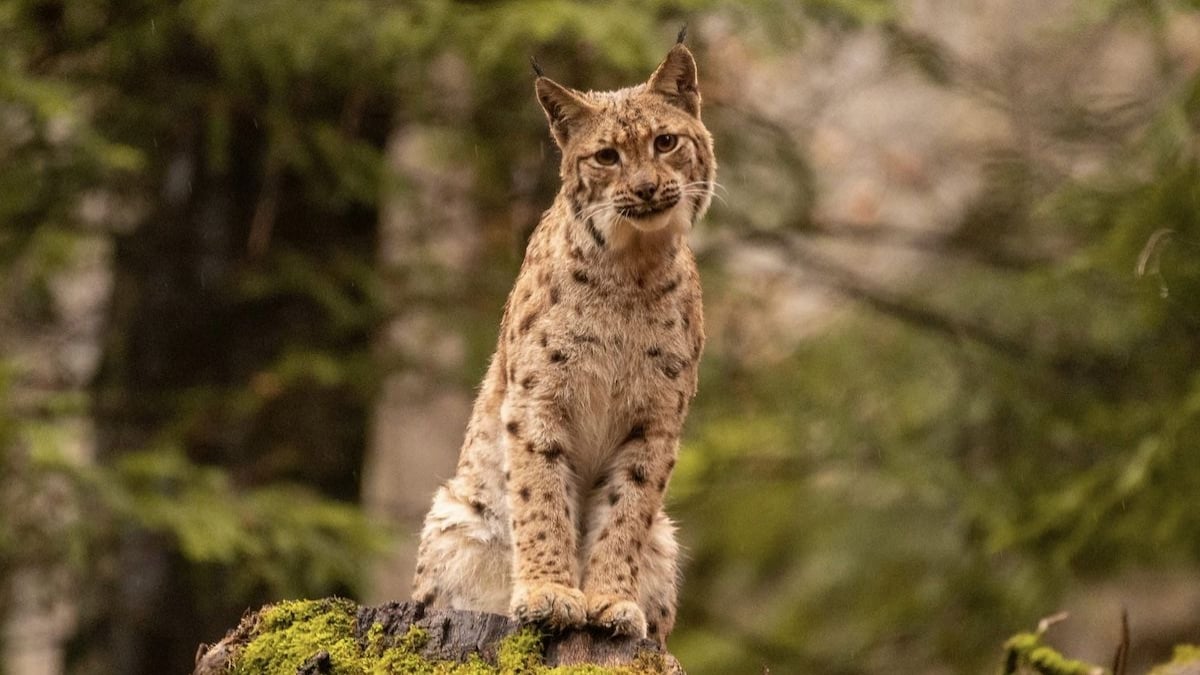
[[299, 638]]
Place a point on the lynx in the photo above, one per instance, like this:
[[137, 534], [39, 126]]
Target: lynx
[[555, 514]]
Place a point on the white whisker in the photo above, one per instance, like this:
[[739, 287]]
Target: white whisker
[[692, 192], [712, 186]]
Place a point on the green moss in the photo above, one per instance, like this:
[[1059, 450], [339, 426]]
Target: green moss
[[405, 656], [375, 638], [290, 633], [1045, 660], [1186, 656], [521, 652], [1026, 651]]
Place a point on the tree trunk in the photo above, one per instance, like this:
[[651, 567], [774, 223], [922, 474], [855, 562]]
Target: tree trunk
[[445, 636], [53, 361]]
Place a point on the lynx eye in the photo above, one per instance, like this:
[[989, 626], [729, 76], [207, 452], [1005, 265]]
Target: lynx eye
[[665, 142], [607, 156]]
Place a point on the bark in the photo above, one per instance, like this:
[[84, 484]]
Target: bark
[[453, 635]]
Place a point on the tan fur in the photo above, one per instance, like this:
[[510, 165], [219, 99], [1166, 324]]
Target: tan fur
[[555, 512]]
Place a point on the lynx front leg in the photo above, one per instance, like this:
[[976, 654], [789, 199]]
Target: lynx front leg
[[618, 550], [544, 560]]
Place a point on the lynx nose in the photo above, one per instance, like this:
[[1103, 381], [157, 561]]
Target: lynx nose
[[645, 191]]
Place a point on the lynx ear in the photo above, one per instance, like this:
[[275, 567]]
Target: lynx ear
[[675, 79], [565, 109]]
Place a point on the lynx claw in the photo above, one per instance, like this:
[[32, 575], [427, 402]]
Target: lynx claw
[[554, 605], [622, 617]]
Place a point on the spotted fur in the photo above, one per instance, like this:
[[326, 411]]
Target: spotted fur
[[555, 513]]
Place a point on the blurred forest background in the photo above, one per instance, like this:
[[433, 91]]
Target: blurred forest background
[[253, 256]]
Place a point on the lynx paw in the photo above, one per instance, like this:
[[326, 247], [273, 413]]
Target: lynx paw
[[622, 617], [554, 605]]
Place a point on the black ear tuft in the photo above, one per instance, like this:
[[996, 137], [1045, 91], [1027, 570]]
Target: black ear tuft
[[537, 70], [679, 39]]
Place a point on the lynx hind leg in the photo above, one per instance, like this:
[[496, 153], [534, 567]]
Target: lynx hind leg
[[659, 581], [464, 559]]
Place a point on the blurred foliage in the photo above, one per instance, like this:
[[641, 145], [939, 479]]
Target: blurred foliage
[[955, 458], [1026, 653], [284, 539], [894, 493]]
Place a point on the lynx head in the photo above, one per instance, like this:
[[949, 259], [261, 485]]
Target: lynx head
[[638, 157]]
